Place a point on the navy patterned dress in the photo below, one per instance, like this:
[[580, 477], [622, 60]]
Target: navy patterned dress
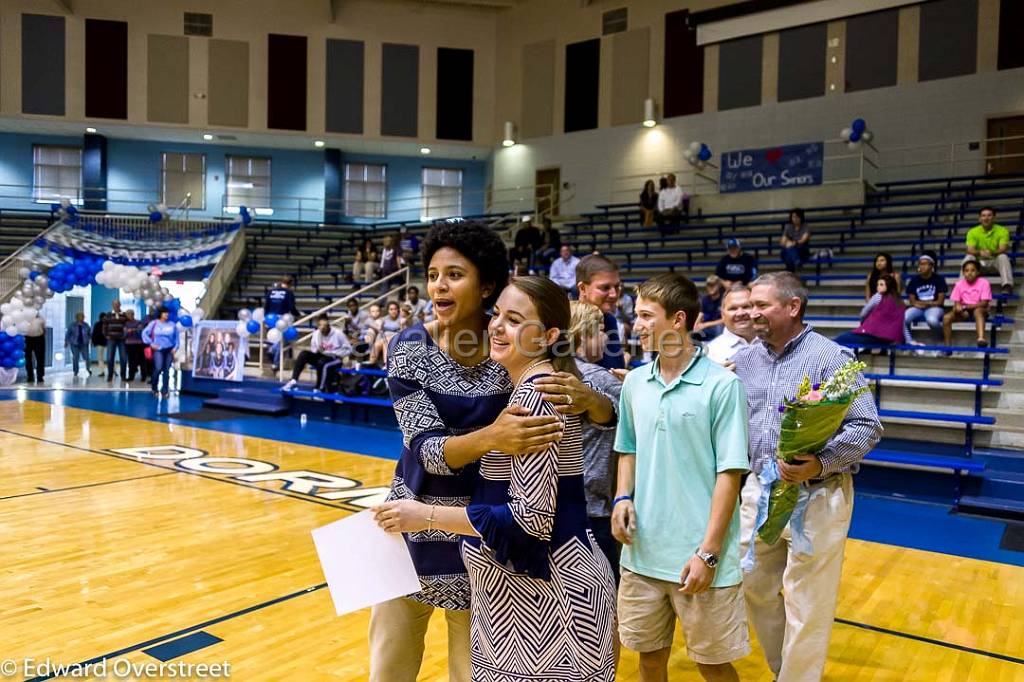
[[435, 398], [543, 605]]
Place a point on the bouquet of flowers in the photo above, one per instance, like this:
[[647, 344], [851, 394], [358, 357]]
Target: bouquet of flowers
[[808, 422]]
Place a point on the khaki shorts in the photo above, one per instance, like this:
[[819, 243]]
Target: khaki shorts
[[714, 622]]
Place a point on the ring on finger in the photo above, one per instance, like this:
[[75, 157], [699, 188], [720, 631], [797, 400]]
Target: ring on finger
[[568, 399]]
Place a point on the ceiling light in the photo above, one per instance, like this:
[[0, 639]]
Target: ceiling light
[[424, 150], [318, 143], [510, 135], [90, 130], [207, 136], [649, 121]]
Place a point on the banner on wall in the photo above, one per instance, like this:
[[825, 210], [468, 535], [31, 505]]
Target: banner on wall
[[786, 167], [218, 351]]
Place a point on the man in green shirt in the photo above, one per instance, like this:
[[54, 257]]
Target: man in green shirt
[[682, 436], [989, 242]]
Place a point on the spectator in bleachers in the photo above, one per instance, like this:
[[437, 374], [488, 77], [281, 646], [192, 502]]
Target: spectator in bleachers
[[390, 258], [326, 346], [739, 328], [417, 305], [736, 267], [795, 241], [648, 203], [710, 324], [528, 240], [387, 327], [408, 244], [550, 246], [563, 270], [280, 301], [971, 296], [881, 318], [356, 321], [989, 243], [927, 294], [599, 283], [76, 340], [673, 206], [625, 314], [367, 261], [881, 267], [135, 346]]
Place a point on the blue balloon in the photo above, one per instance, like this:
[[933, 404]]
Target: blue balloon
[[859, 126], [705, 152], [20, 341], [8, 363], [32, 275], [156, 216], [252, 326], [290, 334], [854, 136], [186, 321], [270, 319]]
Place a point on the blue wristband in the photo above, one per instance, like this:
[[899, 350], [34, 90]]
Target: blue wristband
[[620, 498]]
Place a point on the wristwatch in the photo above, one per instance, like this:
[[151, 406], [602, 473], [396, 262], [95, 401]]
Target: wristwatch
[[711, 560]]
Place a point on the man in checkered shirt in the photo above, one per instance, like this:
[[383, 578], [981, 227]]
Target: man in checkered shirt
[[794, 628]]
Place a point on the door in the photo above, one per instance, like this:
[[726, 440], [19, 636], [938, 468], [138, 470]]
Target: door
[[546, 191], [1002, 155]]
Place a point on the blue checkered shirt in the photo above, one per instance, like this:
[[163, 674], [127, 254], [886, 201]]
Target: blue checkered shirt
[[770, 378]]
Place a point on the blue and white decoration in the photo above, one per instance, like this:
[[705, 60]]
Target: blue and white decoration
[[857, 132], [698, 154]]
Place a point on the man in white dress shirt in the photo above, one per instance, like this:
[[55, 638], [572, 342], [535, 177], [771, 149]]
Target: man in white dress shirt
[[563, 270], [739, 329]]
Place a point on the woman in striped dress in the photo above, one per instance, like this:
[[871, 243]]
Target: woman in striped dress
[[542, 593]]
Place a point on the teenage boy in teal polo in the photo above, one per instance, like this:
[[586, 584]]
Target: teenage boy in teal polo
[[682, 436]]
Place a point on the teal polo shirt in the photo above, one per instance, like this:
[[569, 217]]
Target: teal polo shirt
[[683, 434]]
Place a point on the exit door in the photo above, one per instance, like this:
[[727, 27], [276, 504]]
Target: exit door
[[546, 191], [1003, 155]]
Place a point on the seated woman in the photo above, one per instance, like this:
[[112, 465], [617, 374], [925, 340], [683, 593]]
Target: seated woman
[[881, 319], [795, 242], [970, 297], [531, 559], [882, 266], [389, 325], [648, 203]]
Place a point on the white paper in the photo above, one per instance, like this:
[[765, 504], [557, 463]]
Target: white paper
[[364, 565]]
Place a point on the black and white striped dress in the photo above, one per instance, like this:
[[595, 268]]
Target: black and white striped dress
[[543, 596]]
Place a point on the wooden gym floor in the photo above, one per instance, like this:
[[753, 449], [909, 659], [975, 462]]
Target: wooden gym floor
[[109, 555]]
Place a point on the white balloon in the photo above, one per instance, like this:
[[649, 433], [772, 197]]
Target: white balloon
[[108, 265], [11, 330], [30, 313], [42, 282], [853, 145], [288, 318], [280, 325], [274, 336], [23, 273], [845, 133], [4, 307], [198, 314], [695, 147], [244, 314], [240, 329], [866, 136], [23, 327], [258, 315]]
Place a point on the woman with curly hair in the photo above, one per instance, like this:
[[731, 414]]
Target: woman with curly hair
[[542, 591], [451, 402]]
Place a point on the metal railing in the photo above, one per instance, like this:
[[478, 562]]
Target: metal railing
[[10, 280], [219, 280], [402, 277]]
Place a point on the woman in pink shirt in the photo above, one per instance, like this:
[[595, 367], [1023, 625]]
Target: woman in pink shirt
[[970, 297]]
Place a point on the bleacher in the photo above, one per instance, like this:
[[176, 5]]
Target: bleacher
[[18, 227]]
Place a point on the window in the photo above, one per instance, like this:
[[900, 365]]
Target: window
[[442, 193], [366, 190], [248, 184], [198, 24], [56, 174], [182, 175]]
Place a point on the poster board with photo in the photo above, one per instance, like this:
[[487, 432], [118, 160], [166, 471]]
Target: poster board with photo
[[218, 352]]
